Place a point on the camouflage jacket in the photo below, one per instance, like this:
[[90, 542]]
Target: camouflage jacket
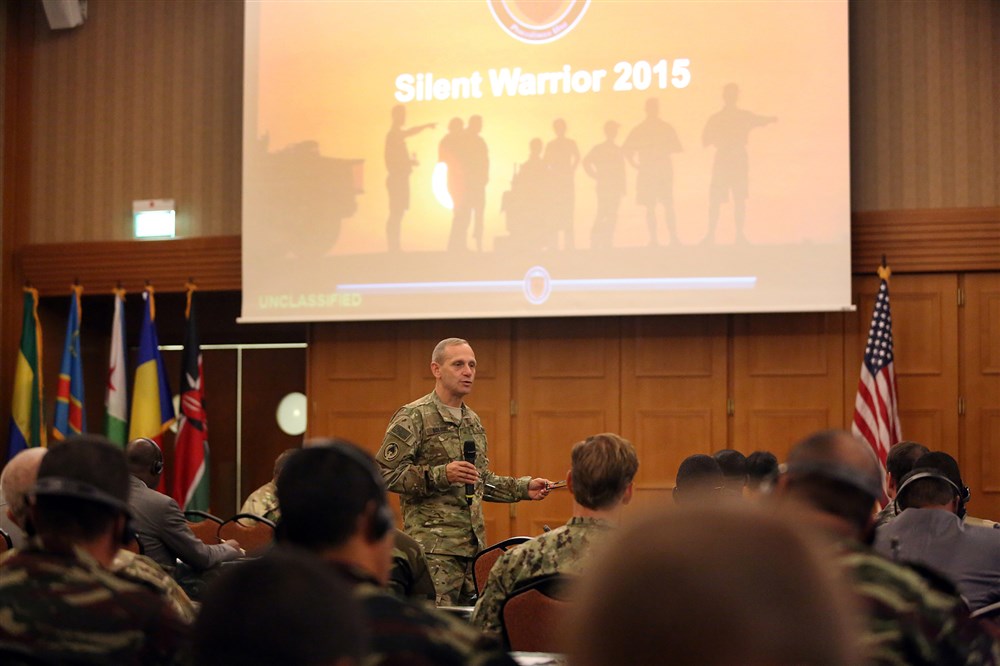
[[403, 632], [64, 607], [422, 438], [409, 576], [563, 550], [263, 502], [141, 569], [912, 620]]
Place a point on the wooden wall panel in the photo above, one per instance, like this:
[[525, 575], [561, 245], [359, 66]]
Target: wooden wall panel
[[925, 337], [566, 382], [787, 378], [926, 240], [673, 394], [142, 101], [980, 361], [924, 128]]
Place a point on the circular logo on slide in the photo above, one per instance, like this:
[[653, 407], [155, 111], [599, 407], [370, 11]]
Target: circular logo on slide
[[538, 21]]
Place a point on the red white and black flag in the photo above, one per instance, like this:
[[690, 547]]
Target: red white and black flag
[[876, 413], [191, 489]]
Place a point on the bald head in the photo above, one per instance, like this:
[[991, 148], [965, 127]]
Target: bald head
[[840, 453], [18, 479], [836, 473], [145, 460]]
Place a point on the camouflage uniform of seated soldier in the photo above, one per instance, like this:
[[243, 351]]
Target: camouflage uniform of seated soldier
[[600, 478]]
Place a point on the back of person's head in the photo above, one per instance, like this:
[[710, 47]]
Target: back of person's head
[[935, 480], [699, 477], [82, 487], [279, 462], [762, 466], [734, 469], [324, 489], [17, 480], [284, 608], [836, 473], [713, 585], [901, 458], [602, 468], [145, 459]]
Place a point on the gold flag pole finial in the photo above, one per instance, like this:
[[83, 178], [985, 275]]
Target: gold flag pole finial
[[884, 271], [190, 287]]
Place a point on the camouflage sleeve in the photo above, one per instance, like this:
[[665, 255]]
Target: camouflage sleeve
[[168, 640], [505, 488], [486, 615], [399, 458]]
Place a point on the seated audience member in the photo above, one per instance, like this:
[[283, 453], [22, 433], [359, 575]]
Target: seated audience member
[[734, 471], [284, 608], [898, 464], [409, 576], [929, 531], [909, 618], [58, 599], [600, 478], [762, 470], [16, 481], [699, 479], [263, 502], [712, 585], [19, 480], [160, 524], [334, 504]]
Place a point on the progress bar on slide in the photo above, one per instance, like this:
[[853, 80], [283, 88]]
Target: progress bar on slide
[[537, 285]]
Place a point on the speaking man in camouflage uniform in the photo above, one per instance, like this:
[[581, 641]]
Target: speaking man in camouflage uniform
[[58, 599], [422, 459], [600, 478], [908, 617], [334, 505]]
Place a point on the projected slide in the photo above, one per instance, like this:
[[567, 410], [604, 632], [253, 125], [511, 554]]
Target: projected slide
[[504, 158]]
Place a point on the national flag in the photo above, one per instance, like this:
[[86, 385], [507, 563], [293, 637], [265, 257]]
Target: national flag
[[152, 407], [191, 489], [69, 418], [27, 422], [876, 411], [116, 393]]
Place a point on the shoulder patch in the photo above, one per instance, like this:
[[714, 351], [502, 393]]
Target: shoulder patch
[[391, 451], [400, 432]]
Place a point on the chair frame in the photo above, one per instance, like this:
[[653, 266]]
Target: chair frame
[[490, 552], [252, 516], [207, 534]]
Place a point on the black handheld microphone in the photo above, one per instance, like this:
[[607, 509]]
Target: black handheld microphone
[[469, 454]]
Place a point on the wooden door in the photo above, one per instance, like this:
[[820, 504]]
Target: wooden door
[[980, 364], [925, 341], [566, 387], [787, 376], [673, 390]]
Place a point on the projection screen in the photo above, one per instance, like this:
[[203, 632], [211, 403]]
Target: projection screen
[[503, 158]]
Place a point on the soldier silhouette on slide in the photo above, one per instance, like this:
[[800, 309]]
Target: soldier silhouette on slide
[[398, 165], [728, 131], [649, 148]]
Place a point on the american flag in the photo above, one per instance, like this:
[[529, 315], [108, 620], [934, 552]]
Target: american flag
[[876, 415]]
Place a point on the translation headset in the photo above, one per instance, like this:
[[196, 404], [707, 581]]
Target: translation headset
[[961, 491], [59, 486], [382, 519]]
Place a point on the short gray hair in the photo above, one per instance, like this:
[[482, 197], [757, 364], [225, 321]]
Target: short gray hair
[[438, 354], [18, 479]]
